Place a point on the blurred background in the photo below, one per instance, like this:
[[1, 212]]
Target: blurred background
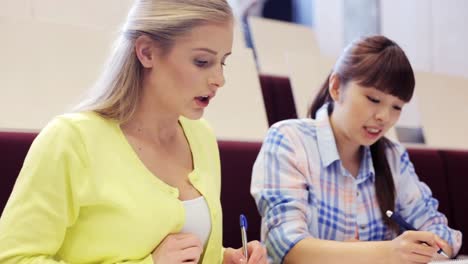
[[52, 51]]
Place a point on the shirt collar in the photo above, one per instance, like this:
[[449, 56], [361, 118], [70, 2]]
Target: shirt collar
[[366, 170], [329, 151], [325, 138]]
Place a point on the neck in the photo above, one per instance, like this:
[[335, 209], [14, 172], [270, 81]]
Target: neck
[[153, 124], [348, 150]]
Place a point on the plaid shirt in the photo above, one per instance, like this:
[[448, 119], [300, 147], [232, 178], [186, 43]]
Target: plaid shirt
[[302, 190]]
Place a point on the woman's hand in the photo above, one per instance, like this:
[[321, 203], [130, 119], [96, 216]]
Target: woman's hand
[[178, 248], [257, 254], [445, 247], [409, 247]]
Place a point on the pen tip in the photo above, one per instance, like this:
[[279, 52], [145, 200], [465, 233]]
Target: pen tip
[[243, 221], [443, 254], [389, 213]]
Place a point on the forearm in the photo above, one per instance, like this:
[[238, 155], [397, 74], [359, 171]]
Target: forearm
[[310, 250]]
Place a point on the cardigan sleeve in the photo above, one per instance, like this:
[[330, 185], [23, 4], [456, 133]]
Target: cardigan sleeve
[[43, 201]]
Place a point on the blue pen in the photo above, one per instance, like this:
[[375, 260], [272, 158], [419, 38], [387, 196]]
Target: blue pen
[[243, 227], [406, 226]]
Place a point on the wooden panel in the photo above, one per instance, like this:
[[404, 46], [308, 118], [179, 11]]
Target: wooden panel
[[272, 39], [238, 112], [443, 102]]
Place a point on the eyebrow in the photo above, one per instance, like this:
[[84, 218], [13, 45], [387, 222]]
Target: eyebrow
[[210, 51]]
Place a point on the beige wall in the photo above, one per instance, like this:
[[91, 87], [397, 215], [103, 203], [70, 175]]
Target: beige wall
[[53, 51], [433, 33], [443, 102], [45, 67], [94, 14]]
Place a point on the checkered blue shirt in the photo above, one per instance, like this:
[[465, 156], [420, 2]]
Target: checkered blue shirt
[[302, 190]]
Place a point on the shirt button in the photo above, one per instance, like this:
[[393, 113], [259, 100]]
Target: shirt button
[[358, 193], [362, 226]]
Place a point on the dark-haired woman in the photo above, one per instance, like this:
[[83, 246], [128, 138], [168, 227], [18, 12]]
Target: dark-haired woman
[[323, 181]]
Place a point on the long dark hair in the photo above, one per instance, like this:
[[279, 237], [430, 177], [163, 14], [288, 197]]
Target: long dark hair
[[377, 62]]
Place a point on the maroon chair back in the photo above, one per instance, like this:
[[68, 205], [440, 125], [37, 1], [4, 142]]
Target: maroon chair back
[[237, 159], [13, 149], [278, 98], [456, 163], [430, 168], [443, 170]]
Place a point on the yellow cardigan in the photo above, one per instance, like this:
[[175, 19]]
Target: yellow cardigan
[[83, 196]]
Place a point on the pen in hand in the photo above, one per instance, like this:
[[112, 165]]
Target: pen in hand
[[243, 227], [406, 226]]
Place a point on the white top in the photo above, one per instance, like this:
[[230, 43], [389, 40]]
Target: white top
[[197, 218]]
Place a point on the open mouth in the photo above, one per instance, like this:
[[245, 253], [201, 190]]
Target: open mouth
[[203, 101], [203, 98], [373, 132]]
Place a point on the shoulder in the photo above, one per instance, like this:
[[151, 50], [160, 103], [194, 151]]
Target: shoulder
[[397, 156], [293, 130], [394, 148], [78, 121], [65, 137], [74, 128], [293, 135], [295, 127]]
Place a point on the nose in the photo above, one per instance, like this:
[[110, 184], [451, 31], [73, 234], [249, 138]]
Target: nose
[[217, 78], [383, 114]]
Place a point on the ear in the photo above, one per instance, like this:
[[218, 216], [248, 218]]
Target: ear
[[334, 87], [145, 51]]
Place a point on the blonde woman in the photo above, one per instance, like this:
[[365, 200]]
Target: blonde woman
[[133, 176]]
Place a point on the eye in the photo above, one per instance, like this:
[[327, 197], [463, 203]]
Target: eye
[[373, 100], [200, 63], [223, 62], [398, 108]]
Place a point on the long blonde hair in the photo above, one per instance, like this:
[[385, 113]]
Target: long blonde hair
[[117, 93]]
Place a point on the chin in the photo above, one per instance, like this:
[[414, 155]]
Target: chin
[[193, 115], [369, 142]]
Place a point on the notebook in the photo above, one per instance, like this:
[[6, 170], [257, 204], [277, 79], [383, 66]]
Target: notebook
[[455, 261]]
